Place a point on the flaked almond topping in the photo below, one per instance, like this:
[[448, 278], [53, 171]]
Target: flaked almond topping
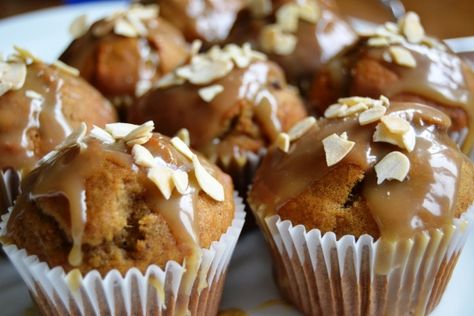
[[12, 75], [396, 124], [300, 128], [260, 8], [120, 130], [125, 28], [394, 166], [182, 147], [372, 115], [309, 11], [335, 110], [33, 95], [79, 26], [195, 47], [356, 109], [142, 87], [141, 134], [392, 27], [207, 182], [283, 142], [137, 24], [402, 56], [25, 55], [378, 41], [385, 101], [205, 71], [210, 92], [66, 68], [287, 17], [411, 27], [162, 178], [169, 80], [144, 12], [183, 134], [180, 180], [102, 135], [406, 140], [274, 40], [351, 101], [75, 138], [142, 156], [336, 148]]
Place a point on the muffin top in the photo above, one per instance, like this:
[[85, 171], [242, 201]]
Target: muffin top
[[210, 21], [388, 170], [298, 35], [40, 105], [401, 62], [120, 198], [124, 53], [230, 99]]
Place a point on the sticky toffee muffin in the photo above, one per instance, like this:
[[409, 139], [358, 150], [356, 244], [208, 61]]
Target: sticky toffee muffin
[[373, 179]]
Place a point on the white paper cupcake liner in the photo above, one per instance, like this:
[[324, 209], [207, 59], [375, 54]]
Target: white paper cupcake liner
[[155, 292], [323, 275], [9, 188]]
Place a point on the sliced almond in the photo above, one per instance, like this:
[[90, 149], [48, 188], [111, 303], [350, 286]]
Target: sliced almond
[[356, 109], [402, 56], [336, 148], [351, 101], [196, 46], [283, 142], [169, 80], [26, 55], [124, 28], [205, 71], [210, 92], [372, 115], [300, 128], [406, 140], [287, 17], [140, 140], [392, 27], [79, 26], [285, 44], [335, 110], [120, 130], [102, 135], [378, 41], [162, 178], [273, 40], [309, 11], [142, 87], [75, 138], [182, 147], [33, 95], [142, 156], [137, 24], [141, 132], [411, 27], [144, 12], [395, 124], [183, 134], [409, 139], [181, 180], [394, 166], [13, 74], [207, 182], [66, 68], [385, 101]]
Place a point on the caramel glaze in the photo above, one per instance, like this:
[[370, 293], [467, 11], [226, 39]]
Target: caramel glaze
[[115, 64], [68, 174], [316, 43], [30, 127], [208, 20], [440, 79], [426, 199], [254, 106]]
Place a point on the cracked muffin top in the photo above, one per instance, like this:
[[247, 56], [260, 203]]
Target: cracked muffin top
[[368, 167], [119, 198], [40, 104]]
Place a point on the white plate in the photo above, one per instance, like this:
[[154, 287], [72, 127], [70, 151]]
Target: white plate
[[249, 282]]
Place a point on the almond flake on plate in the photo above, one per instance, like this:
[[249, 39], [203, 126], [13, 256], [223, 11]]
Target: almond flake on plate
[[210, 92], [394, 166], [162, 178], [207, 182], [336, 148], [402, 56]]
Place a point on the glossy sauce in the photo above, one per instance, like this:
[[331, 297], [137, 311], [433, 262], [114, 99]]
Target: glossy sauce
[[21, 116], [426, 199]]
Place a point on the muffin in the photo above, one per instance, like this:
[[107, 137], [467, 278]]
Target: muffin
[[300, 36], [366, 211], [123, 54], [40, 104], [124, 221], [209, 21], [401, 62], [232, 101]]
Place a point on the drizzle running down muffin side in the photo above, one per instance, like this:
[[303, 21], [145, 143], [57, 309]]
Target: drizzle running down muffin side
[[387, 172]]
